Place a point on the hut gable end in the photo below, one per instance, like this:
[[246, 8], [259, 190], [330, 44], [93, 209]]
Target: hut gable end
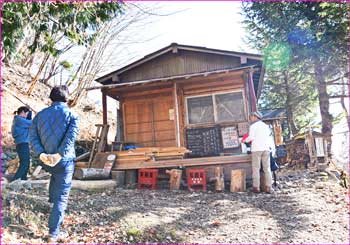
[[180, 60], [180, 63]]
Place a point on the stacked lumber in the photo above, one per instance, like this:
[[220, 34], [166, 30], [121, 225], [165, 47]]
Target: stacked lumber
[[165, 153], [133, 155], [140, 155], [189, 162]]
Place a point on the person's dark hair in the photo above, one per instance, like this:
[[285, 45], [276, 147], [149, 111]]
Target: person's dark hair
[[20, 109], [59, 94]]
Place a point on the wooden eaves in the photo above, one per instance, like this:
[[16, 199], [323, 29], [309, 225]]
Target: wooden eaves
[[185, 76]]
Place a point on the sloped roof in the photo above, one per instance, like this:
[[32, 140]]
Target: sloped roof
[[270, 114], [174, 46]]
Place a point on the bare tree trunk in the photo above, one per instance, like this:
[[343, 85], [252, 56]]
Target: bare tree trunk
[[36, 78], [342, 102], [28, 61], [289, 110], [323, 97], [52, 70]]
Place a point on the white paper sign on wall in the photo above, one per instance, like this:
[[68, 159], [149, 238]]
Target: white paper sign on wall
[[230, 137]]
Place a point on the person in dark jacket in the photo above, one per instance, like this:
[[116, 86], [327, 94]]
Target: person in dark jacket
[[52, 138], [20, 133]]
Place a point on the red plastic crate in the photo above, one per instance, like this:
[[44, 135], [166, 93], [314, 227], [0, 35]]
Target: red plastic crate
[[196, 179], [147, 179]]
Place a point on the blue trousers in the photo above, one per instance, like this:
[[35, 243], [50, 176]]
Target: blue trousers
[[60, 185], [24, 161]]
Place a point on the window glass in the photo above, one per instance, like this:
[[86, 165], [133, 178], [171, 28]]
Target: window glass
[[200, 109], [229, 107]]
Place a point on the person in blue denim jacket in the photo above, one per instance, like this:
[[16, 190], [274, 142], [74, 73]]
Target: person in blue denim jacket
[[52, 138], [20, 133]]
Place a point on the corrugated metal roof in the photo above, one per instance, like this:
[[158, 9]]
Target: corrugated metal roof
[[273, 113]]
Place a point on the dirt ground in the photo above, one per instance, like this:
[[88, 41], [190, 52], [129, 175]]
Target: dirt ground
[[308, 207]]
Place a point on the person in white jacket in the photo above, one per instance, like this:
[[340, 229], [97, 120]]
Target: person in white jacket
[[260, 138]]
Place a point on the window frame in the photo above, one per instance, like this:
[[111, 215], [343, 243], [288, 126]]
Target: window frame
[[214, 107]]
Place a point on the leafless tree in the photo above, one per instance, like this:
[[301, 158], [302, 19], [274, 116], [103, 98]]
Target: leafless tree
[[110, 50]]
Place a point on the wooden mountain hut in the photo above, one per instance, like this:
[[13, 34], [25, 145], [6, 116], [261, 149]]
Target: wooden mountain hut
[[186, 96]]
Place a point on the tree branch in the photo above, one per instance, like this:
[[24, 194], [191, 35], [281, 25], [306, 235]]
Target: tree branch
[[339, 96], [346, 84], [334, 80]]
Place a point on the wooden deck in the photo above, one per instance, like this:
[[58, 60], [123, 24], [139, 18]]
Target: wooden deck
[[187, 162]]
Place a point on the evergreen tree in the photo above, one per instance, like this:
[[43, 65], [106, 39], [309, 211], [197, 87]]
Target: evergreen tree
[[317, 35]]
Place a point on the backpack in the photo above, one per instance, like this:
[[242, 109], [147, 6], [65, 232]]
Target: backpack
[[273, 164]]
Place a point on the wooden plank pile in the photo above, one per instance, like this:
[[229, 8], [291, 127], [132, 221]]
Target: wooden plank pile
[[297, 152], [188, 162], [140, 155], [98, 166]]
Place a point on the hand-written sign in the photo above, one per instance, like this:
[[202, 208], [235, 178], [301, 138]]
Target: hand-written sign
[[203, 141], [243, 128], [230, 137]]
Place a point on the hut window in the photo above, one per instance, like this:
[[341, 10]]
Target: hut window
[[200, 109], [229, 107], [218, 107]]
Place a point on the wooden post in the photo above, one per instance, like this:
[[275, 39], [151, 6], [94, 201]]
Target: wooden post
[[104, 107], [175, 178], [277, 132], [311, 147], [131, 178], [103, 138], [119, 136], [119, 177], [251, 91], [219, 179], [177, 124], [325, 145], [181, 115], [238, 180]]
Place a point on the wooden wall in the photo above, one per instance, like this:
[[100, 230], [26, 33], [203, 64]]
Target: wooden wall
[[183, 62], [150, 114], [225, 82], [146, 117]]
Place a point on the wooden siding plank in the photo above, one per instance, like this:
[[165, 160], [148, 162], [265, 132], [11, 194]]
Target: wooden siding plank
[[140, 137], [207, 90], [183, 62], [139, 118], [138, 127], [163, 125], [165, 135]]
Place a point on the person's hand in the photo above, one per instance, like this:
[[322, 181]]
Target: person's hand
[[54, 158], [29, 115], [44, 158], [50, 159]]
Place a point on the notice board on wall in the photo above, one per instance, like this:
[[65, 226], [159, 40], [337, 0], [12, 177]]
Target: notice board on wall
[[204, 141], [230, 137], [243, 128]]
